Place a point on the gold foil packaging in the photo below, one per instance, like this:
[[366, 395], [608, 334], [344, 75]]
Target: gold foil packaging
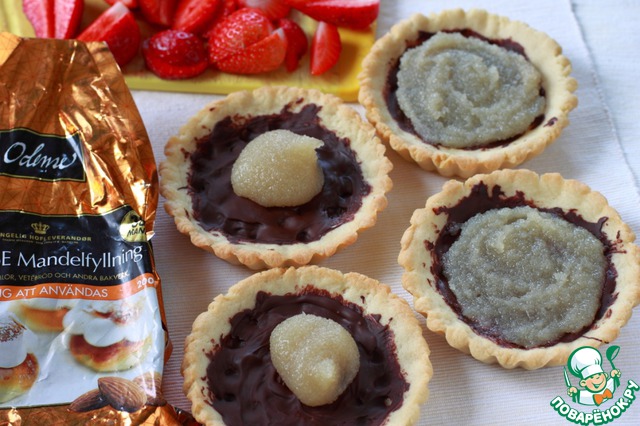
[[82, 335]]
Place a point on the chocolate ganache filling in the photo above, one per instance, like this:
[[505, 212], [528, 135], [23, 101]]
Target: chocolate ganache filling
[[391, 87], [218, 209], [244, 387], [480, 200]]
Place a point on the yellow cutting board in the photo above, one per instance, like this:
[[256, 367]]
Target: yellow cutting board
[[341, 80]]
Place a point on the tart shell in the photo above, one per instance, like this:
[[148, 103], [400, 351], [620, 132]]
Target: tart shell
[[373, 297], [544, 191], [335, 116], [543, 52]]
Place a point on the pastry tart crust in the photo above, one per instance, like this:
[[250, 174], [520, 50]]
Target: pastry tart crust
[[334, 115], [374, 298], [542, 51], [548, 191]]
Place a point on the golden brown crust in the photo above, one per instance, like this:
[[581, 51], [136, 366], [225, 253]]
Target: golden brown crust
[[545, 191], [375, 298], [335, 115], [43, 320], [19, 379], [117, 357], [541, 50]]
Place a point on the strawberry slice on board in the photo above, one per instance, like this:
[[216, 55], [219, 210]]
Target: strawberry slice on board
[[131, 4], [67, 15], [238, 31], [260, 57], [227, 7], [274, 9], [173, 54], [54, 18], [297, 43], [118, 28], [40, 15], [355, 14], [326, 47], [159, 12], [195, 16], [297, 4]]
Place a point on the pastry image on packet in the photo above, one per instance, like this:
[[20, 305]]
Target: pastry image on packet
[[82, 333]]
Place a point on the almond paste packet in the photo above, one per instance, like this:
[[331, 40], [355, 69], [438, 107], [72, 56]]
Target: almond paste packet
[[82, 325]]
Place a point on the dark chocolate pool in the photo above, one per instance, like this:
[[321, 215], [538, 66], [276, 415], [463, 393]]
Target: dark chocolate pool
[[218, 209], [244, 387]]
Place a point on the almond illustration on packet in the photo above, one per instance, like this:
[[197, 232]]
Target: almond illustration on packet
[[121, 394], [88, 401]]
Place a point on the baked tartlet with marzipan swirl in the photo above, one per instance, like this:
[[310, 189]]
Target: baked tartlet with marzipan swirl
[[521, 269], [465, 92]]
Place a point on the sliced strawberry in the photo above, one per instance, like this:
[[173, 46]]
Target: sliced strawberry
[[40, 15], [174, 54], [226, 8], [274, 9], [131, 4], [325, 48], [357, 14], [297, 43], [158, 11], [67, 15], [195, 16], [264, 56], [118, 28], [238, 31], [54, 18], [297, 4]]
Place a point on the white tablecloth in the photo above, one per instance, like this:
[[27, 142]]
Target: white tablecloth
[[599, 148]]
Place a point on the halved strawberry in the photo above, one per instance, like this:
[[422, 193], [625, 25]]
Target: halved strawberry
[[263, 56], [40, 15], [131, 4], [296, 4], [158, 11], [238, 31], [174, 54], [325, 48], [118, 28], [226, 8], [194, 16], [297, 43], [274, 9], [67, 15], [357, 14], [54, 18]]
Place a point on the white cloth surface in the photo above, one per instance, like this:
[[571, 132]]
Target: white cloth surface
[[462, 390]]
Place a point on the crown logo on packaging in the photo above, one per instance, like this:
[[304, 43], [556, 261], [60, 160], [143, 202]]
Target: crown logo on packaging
[[40, 228]]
